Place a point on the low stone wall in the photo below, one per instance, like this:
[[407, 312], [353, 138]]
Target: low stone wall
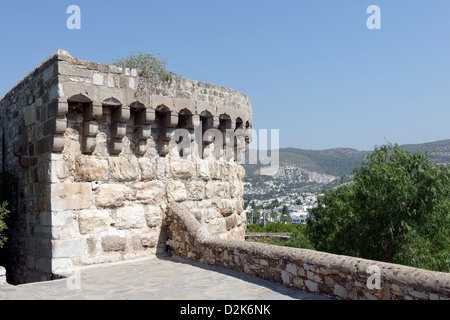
[[263, 236], [340, 277]]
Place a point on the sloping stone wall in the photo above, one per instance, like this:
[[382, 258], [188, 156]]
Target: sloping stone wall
[[340, 277]]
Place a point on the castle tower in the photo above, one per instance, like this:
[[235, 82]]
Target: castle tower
[[98, 153]]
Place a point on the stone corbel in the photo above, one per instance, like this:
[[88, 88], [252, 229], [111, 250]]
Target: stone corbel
[[119, 118], [60, 126], [143, 123], [91, 114], [172, 122]]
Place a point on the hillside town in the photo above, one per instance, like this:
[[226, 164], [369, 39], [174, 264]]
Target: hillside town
[[290, 209]]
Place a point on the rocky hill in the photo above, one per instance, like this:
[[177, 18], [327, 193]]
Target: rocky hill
[[303, 170]]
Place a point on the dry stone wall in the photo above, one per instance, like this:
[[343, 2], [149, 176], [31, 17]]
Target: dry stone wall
[[94, 152], [340, 277]]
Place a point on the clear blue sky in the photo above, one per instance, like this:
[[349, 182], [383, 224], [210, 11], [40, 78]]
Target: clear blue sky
[[310, 67]]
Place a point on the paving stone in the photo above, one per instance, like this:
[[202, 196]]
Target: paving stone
[[166, 278]]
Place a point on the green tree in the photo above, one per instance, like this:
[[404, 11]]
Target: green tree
[[5, 207], [397, 209], [3, 214], [149, 66]]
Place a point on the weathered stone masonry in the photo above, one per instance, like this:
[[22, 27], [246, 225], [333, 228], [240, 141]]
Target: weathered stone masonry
[[340, 277], [91, 149]]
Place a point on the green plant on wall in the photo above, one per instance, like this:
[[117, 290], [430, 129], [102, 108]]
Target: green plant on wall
[[3, 214], [5, 197], [149, 66]]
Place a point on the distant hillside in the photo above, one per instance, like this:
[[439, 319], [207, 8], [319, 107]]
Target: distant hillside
[[337, 162], [303, 171], [439, 150]]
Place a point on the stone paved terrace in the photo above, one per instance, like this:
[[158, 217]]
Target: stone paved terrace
[[167, 278]]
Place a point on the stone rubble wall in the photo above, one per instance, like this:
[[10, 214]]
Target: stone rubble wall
[[340, 277]]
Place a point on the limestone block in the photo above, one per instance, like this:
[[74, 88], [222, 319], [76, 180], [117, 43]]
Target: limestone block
[[151, 191], [153, 215], [226, 206], [68, 231], [63, 218], [97, 79], [227, 171], [240, 172], [214, 169], [124, 168], [208, 214], [217, 226], [147, 168], [61, 264], [232, 221], [67, 196], [217, 189], [196, 189], [59, 170], [149, 240], [130, 217], [113, 243], [176, 191], [93, 221], [182, 169], [160, 168], [236, 189], [88, 168], [112, 195], [203, 169], [66, 248]]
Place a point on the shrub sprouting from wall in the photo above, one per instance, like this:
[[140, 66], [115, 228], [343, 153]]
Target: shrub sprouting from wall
[[149, 66], [5, 195]]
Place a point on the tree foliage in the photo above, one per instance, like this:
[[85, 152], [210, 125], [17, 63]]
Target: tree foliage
[[397, 209], [149, 66], [5, 198], [3, 214]]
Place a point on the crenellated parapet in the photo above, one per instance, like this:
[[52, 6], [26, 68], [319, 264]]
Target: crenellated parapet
[[151, 111]]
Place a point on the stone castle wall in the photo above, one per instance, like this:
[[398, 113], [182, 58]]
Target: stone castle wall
[[26, 114], [340, 277], [96, 163]]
